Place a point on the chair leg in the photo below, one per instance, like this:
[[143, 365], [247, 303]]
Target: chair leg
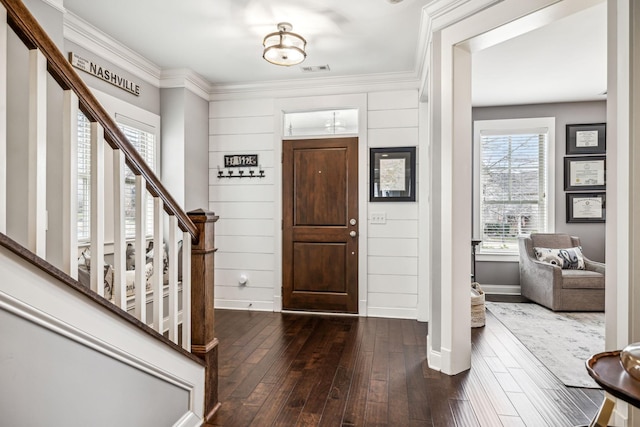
[[601, 419]]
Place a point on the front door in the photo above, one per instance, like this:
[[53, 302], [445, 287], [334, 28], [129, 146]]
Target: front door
[[320, 225]]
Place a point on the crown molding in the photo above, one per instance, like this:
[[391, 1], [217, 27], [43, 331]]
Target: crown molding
[[82, 33], [56, 4], [435, 17], [316, 86], [185, 78]]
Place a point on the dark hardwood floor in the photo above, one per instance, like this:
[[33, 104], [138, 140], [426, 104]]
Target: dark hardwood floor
[[310, 370]]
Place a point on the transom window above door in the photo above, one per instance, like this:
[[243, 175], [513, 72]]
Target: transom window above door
[[325, 122]]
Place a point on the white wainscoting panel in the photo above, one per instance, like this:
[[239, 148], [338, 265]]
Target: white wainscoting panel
[[393, 118], [393, 247], [255, 278], [400, 284], [242, 143], [245, 244], [245, 210], [403, 266], [241, 108], [239, 193], [245, 230], [246, 261], [249, 216], [393, 100], [401, 229], [393, 137], [245, 227], [236, 125]]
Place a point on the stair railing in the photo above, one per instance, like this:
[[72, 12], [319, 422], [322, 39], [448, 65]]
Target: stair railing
[[196, 295], [45, 57]]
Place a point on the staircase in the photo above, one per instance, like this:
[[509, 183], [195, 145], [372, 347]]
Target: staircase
[[92, 355]]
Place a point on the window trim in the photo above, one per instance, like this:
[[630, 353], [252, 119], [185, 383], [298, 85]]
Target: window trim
[[515, 125], [130, 115]]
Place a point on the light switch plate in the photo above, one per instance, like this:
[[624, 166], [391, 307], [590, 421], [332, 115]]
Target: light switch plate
[[378, 217]]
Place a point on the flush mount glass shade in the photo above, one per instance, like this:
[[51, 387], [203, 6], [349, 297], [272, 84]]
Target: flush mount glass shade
[[284, 47]]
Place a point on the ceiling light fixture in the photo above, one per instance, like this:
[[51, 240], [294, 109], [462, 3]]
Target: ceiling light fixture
[[284, 47]]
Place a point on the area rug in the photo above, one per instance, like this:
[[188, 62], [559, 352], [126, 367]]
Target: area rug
[[561, 341]]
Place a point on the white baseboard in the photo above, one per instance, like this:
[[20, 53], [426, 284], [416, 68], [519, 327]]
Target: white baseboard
[[501, 289], [189, 419], [393, 313], [244, 305], [434, 358]]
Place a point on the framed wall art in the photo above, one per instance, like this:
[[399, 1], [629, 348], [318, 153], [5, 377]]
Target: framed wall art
[[587, 139], [584, 173], [586, 207], [392, 174]]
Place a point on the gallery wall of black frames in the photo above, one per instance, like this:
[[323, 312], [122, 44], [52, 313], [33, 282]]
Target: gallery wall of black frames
[[585, 172]]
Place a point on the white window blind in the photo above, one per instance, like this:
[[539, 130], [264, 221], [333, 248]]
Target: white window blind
[[513, 181], [84, 178], [145, 143], [144, 140]]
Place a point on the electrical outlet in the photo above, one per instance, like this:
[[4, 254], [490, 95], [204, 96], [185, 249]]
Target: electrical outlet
[[378, 218]]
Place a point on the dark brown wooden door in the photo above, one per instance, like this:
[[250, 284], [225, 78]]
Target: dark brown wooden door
[[320, 225]]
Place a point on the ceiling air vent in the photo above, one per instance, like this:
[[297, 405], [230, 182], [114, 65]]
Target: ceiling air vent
[[315, 68]]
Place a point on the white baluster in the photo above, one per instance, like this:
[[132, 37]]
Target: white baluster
[[141, 250], [119, 237], [173, 278], [70, 183], [186, 291], [37, 196], [158, 266], [97, 208], [3, 119]]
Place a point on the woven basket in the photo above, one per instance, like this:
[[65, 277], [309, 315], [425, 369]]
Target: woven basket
[[477, 306]]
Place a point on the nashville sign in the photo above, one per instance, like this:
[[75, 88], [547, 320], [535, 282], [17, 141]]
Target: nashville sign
[[104, 74]]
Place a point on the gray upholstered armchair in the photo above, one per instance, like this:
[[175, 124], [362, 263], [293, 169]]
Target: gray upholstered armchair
[[556, 288]]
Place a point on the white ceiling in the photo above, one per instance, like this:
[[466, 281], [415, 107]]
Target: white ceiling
[[221, 40]]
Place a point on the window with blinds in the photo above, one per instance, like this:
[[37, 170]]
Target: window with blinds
[[513, 178], [84, 178], [145, 143], [144, 140]]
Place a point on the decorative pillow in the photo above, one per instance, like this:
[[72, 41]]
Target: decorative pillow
[[130, 257], [130, 277], [108, 281], [85, 258], [84, 273], [569, 258]]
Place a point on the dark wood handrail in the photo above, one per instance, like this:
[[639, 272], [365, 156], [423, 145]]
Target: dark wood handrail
[[34, 37]]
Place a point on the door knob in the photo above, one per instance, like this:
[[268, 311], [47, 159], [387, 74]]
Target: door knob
[[352, 221], [352, 234]]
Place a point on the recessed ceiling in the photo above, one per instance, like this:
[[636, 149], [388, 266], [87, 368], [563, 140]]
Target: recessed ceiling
[[222, 42]]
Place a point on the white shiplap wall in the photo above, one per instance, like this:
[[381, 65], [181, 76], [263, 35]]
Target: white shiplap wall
[[246, 231], [393, 246]]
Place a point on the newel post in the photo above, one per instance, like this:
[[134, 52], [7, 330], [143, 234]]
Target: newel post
[[204, 344]]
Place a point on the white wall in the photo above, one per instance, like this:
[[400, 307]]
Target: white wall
[[393, 247], [247, 234], [79, 344]]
